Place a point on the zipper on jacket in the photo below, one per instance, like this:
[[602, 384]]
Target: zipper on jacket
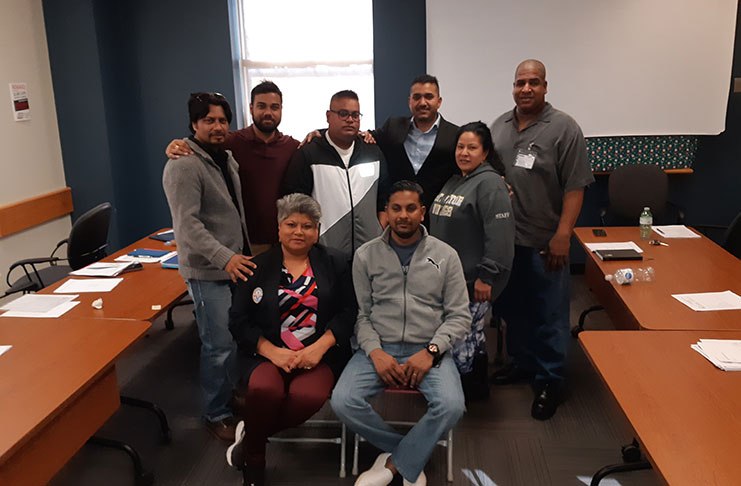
[[404, 320], [352, 210]]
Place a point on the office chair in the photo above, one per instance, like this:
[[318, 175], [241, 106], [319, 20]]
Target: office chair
[[86, 243], [630, 188], [731, 239]]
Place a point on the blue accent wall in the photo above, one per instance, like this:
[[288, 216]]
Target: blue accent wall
[[399, 53], [122, 74]]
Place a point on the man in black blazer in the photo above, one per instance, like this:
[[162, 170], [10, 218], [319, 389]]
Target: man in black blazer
[[422, 148]]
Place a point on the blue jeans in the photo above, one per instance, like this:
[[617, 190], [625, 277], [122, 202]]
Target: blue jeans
[[441, 387], [218, 369], [535, 306]]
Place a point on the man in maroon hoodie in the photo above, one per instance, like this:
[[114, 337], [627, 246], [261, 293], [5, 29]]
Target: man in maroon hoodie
[[263, 154]]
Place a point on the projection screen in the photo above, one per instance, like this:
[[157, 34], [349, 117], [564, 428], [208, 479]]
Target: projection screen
[[619, 67]]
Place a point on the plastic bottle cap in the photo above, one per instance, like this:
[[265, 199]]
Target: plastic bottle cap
[[646, 208]]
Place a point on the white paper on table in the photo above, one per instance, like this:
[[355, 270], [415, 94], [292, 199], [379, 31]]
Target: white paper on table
[[166, 232], [73, 285], [725, 350], [675, 231], [4, 348], [58, 311], [36, 303], [614, 245], [723, 353], [145, 259], [710, 301], [101, 269]]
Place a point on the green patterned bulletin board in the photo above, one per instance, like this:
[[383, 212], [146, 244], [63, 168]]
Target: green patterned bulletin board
[[668, 152]]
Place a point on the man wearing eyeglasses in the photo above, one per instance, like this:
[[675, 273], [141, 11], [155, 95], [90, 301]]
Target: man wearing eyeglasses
[[202, 191], [263, 154], [345, 175]]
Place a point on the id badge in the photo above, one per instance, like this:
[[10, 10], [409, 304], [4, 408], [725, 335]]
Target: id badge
[[525, 158]]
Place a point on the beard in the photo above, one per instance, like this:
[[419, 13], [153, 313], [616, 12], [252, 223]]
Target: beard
[[266, 126]]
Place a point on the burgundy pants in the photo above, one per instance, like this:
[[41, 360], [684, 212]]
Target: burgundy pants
[[276, 400]]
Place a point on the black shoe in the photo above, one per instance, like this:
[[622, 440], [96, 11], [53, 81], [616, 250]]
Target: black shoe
[[547, 399], [510, 374], [253, 476]]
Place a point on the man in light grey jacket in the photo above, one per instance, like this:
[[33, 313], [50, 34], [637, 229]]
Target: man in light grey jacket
[[210, 230], [412, 305]]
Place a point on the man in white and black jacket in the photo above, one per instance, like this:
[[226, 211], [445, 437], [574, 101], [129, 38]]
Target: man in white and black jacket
[[412, 305], [345, 175]]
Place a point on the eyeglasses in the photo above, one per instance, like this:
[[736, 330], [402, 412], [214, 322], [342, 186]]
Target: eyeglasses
[[343, 114], [206, 97]]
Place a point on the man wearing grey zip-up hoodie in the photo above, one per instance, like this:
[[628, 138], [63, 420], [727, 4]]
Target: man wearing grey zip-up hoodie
[[413, 305], [203, 191]]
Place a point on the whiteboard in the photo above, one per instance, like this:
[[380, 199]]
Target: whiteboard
[[619, 67]]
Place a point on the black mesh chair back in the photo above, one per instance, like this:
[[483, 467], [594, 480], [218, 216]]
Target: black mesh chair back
[[732, 240], [632, 187], [88, 239]]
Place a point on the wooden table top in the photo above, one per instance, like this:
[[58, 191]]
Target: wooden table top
[[134, 297], [686, 412], [50, 364], [687, 265]]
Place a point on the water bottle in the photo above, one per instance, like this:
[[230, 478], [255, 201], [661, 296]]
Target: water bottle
[[626, 276], [645, 222]]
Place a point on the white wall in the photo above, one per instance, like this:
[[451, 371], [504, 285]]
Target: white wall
[[31, 158], [626, 67]]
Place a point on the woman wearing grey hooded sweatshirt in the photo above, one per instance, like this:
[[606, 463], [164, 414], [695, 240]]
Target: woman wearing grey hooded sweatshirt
[[473, 214]]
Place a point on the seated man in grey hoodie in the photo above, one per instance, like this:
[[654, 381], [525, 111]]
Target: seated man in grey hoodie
[[413, 304], [208, 219]]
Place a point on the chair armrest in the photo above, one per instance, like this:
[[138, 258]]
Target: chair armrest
[[63, 242], [34, 261]]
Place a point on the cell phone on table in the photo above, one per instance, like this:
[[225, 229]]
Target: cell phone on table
[[599, 232]]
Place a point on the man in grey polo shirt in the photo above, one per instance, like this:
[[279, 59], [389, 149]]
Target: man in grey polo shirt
[[542, 155]]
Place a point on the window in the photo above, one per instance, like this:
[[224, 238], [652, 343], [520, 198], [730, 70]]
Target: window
[[310, 50]]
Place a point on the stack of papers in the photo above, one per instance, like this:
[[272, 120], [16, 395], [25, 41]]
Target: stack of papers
[[106, 269], [614, 245], [675, 231], [77, 286], [723, 353], [710, 301], [36, 305]]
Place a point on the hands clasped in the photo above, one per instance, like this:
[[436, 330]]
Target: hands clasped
[[396, 374], [289, 360]]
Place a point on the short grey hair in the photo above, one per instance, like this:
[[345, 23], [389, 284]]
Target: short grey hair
[[298, 203]]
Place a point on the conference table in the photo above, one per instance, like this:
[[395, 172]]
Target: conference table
[[685, 412], [58, 383], [57, 387], [142, 295], [687, 265]]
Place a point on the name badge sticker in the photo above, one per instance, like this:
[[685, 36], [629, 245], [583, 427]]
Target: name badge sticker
[[257, 295], [525, 158]]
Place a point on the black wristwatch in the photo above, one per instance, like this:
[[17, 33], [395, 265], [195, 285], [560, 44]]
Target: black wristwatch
[[434, 350]]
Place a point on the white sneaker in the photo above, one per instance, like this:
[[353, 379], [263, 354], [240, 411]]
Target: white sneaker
[[377, 475], [421, 480], [235, 454]]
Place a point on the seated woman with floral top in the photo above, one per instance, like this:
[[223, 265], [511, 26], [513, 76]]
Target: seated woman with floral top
[[292, 321]]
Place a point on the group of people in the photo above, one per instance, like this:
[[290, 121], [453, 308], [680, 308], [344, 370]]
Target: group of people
[[391, 248]]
